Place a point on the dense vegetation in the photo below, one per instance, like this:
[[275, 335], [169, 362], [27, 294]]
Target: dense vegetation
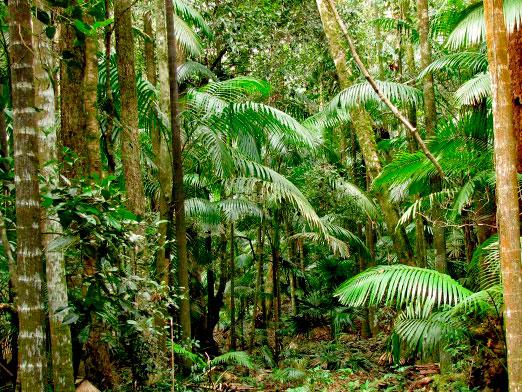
[[260, 195]]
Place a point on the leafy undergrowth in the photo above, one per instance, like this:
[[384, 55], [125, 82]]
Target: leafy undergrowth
[[349, 364]]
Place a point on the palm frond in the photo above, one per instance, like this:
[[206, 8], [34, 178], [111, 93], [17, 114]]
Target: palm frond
[[191, 69], [471, 28], [398, 285], [362, 93], [186, 38], [192, 17], [474, 62], [474, 90]]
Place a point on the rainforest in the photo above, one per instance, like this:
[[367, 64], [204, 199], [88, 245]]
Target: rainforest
[[260, 195]]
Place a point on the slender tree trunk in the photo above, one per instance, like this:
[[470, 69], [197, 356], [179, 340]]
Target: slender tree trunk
[[507, 187], [130, 141], [259, 284], [276, 301], [60, 334], [32, 372], [71, 135], [232, 274], [363, 128], [430, 120], [515, 68], [292, 259], [90, 90], [160, 158], [177, 207]]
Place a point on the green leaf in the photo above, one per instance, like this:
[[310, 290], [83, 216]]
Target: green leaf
[[61, 243]]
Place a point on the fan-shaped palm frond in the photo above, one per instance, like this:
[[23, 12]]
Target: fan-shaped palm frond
[[192, 17], [191, 69], [361, 199], [399, 285], [238, 208], [474, 62], [187, 39], [234, 90], [362, 93], [471, 28], [397, 24], [474, 90], [203, 210], [424, 332]]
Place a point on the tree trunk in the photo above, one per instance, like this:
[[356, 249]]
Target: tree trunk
[[60, 334], [430, 120], [160, 157], [292, 259], [259, 285], [130, 141], [276, 301], [177, 207], [507, 187], [90, 90], [515, 68], [363, 128], [72, 112], [232, 275], [32, 372]]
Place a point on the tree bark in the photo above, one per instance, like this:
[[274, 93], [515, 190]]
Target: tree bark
[[259, 284], [72, 111], [515, 68], [506, 187], [232, 274], [161, 156], [32, 372], [130, 141], [60, 334], [90, 90], [177, 206]]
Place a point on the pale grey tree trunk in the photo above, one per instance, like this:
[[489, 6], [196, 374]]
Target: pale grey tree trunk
[[60, 334], [32, 371]]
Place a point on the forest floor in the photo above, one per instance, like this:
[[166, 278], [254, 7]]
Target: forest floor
[[315, 363]]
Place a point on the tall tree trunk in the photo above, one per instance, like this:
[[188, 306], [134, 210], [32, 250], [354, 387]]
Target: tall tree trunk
[[232, 275], [259, 284], [276, 301], [515, 68], [292, 258], [177, 207], [60, 334], [32, 371], [90, 90], [72, 112], [161, 157], [363, 128], [430, 120], [507, 187], [130, 141]]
